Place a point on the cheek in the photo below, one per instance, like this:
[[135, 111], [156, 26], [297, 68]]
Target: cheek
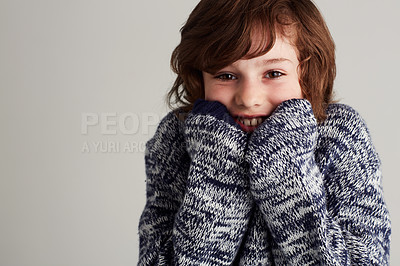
[[287, 92], [209, 91], [222, 95], [297, 93], [208, 94]]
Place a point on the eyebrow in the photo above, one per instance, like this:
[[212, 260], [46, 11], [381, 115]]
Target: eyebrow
[[275, 61]]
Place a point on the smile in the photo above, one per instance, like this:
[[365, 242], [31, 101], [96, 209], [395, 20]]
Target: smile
[[249, 124]]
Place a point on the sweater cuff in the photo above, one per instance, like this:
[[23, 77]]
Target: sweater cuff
[[291, 128], [290, 115], [213, 108], [292, 112]]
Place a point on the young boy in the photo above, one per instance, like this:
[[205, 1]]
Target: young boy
[[258, 166]]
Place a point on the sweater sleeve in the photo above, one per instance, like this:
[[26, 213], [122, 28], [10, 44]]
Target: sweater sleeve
[[256, 245], [213, 218], [167, 165], [330, 216]]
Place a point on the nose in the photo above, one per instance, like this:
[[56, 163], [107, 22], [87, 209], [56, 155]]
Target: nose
[[249, 94]]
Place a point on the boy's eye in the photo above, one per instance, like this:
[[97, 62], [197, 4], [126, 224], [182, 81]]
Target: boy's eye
[[274, 74], [226, 76]]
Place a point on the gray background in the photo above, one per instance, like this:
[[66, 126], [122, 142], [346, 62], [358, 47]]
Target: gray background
[[61, 59]]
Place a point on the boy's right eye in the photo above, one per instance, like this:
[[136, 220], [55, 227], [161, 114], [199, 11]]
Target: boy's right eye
[[226, 76]]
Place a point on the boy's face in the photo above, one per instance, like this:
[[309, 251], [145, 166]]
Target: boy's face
[[251, 89]]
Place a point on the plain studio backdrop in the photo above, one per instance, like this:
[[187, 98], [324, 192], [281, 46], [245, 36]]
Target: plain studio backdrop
[[82, 86]]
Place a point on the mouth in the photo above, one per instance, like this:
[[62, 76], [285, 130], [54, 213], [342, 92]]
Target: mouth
[[249, 123]]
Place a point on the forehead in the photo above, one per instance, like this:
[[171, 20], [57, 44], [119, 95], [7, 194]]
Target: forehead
[[263, 40], [281, 49]]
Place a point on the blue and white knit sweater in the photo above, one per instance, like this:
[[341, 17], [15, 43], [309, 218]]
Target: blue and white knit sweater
[[293, 192]]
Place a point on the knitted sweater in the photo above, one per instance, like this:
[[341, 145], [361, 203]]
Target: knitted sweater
[[293, 192]]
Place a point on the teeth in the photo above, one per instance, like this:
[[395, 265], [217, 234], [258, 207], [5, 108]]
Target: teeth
[[251, 122], [254, 122]]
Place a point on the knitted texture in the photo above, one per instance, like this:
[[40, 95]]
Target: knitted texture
[[167, 166], [217, 194], [294, 192]]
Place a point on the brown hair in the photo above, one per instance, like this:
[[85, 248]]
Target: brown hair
[[218, 33]]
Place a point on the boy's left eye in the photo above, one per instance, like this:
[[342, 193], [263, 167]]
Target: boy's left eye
[[274, 74]]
